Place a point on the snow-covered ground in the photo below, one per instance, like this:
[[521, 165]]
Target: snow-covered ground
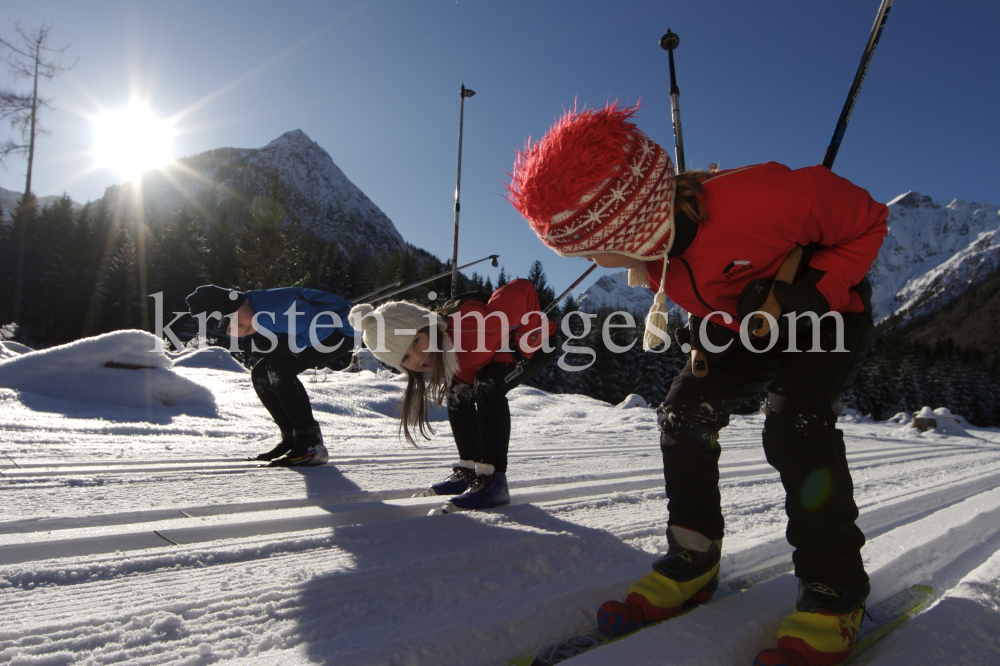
[[136, 533]]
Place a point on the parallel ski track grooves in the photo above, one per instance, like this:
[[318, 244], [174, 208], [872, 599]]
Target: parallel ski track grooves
[[365, 512], [642, 479], [237, 466]]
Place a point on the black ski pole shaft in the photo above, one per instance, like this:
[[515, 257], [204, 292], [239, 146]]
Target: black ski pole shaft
[[458, 184], [668, 43], [440, 275], [571, 288], [859, 79]]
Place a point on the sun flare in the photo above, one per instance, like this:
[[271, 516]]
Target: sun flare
[[132, 140]]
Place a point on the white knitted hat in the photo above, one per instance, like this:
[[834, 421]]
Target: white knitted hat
[[400, 322]]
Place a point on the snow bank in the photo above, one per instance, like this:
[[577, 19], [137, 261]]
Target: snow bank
[[213, 358], [11, 349], [79, 371], [944, 422], [849, 415], [632, 400], [364, 359], [948, 424]]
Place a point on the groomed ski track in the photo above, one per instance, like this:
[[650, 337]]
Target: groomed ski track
[[144, 542]]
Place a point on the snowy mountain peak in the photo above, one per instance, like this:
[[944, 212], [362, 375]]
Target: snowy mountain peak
[[911, 199], [934, 250], [612, 292], [317, 192]]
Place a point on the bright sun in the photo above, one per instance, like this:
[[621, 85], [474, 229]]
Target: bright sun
[[132, 140]]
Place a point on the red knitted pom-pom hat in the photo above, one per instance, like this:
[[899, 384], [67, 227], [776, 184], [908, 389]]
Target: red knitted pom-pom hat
[[596, 183]]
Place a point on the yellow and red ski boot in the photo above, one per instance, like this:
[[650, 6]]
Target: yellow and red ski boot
[[686, 576], [823, 629]]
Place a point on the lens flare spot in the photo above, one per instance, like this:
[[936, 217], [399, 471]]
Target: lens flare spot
[[816, 489]]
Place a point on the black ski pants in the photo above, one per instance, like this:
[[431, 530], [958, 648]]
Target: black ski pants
[[480, 414], [275, 379], [800, 439]]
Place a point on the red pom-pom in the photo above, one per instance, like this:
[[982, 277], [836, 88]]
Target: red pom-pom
[[579, 153]]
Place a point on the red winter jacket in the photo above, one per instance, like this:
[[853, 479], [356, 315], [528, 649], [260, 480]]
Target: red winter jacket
[[474, 320], [754, 216]]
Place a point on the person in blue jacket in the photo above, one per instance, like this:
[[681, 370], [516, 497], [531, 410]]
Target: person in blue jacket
[[300, 329]]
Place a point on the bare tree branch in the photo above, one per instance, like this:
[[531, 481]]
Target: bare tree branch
[[27, 57]]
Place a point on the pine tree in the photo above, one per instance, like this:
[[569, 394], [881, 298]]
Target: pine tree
[[537, 277], [270, 252]]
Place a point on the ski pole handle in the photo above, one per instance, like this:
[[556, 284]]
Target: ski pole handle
[[759, 325]]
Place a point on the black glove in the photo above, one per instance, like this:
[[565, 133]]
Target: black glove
[[752, 299], [801, 297]]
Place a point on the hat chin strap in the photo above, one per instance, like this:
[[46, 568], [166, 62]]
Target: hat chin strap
[[638, 276]]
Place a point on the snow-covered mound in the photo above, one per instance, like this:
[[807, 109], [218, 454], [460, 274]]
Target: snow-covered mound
[[933, 252], [631, 401], [116, 368], [364, 359], [11, 349], [317, 193], [215, 358], [946, 422]]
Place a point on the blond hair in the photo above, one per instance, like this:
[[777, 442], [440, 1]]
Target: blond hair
[[688, 186], [418, 391]]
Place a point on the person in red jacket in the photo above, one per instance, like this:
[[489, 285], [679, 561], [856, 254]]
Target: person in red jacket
[[474, 351], [597, 187]]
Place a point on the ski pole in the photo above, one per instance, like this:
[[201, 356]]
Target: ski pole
[[859, 79], [458, 182], [759, 325], [520, 367], [668, 43], [440, 275], [571, 288]]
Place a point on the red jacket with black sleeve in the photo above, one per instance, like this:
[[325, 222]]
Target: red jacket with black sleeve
[[754, 217], [510, 320]]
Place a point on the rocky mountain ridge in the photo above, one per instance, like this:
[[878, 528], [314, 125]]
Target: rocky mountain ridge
[[315, 191]]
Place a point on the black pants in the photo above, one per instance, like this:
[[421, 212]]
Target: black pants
[[801, 441], [275, 379], [480, 414]]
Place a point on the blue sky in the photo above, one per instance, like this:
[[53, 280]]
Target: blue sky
[[376, 85]]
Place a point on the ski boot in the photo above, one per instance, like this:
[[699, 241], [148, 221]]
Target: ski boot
[[307, 450], [823, 629], [280, 449], [686, 576], [487, 490], [463, 473]]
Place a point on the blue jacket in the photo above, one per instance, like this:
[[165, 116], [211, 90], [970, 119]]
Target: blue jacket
[[310, 303]]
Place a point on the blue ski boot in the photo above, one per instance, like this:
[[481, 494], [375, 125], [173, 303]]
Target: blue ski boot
[[486, 491], [462, 476]]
